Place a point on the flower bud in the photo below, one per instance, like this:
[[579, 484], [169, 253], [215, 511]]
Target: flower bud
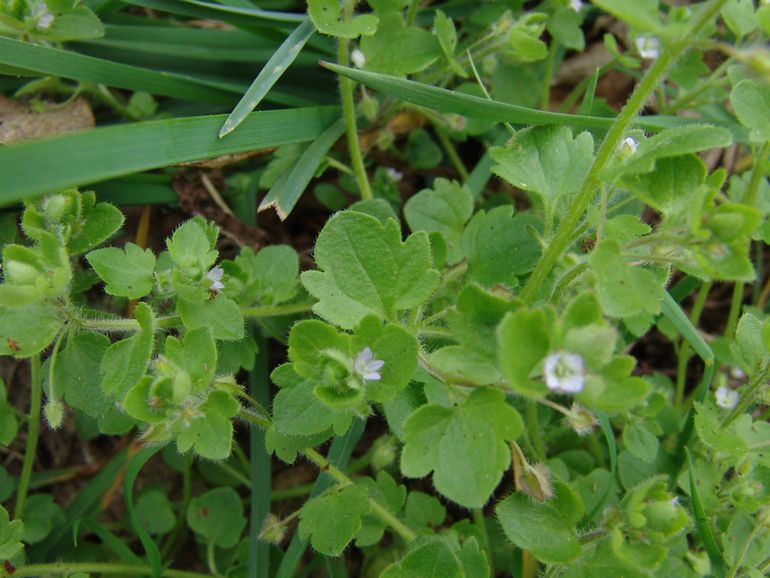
[[273, 530], [581, 420]]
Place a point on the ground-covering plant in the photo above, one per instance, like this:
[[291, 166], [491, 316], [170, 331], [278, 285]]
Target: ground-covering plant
[[526, 342]]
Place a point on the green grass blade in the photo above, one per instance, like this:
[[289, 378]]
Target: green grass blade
[[251, 12], [287, 191], [449, 101], [65, 64], [76, 159], [609, 437], [150, 547], [109, 539], [678, 319], [273, 70], [587, 104], [339, 455], [704, 528]]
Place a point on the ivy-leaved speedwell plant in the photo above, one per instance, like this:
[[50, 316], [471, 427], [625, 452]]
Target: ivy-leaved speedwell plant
[[496, 344]]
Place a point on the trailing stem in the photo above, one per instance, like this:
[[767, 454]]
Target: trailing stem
[[564, 234]]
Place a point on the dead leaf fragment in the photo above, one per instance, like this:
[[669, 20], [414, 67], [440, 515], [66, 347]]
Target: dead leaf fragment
[[18, 122]]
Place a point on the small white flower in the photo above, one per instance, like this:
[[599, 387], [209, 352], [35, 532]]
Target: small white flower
[[367, 366], [215, 276], [43, 18], [358, 58], [394, 174], [564, 372], [737, 373], [575, 5], [727, 398], [648, 47], [629, 145]]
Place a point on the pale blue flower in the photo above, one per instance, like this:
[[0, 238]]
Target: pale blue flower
[[367, 366], [648, 47], [727, 398], [215, 276], [564, 372]]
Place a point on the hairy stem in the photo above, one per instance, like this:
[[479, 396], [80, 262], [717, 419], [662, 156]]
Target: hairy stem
[[642, 92], [33, 432], [349, 110]]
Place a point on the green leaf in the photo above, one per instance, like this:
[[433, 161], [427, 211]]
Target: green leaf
[[397, 49], [546, 161], [423, 510], [154, 511], [742, 539], [326, 16], [541, 527], [217, 516], [444, 209], [640, 441], [386, 492], [125, 361], [272, 70], [672, 187], [465, 446], [345, 507], [210, 435], [565, 26], [98, 154], [444, 29], [498, 246], [296, 409], [365, 269], [623, 290], [523, 339], [671, 142], [99, 222], [751, 101], [431, 559], [422, 151], [41, 515], [739, 17], [27, 330], [196, 355], [749, 348], [10, 535], [393, 345], [77, 374], [9, 426], [80, 23], [221, 315], [127, 272], [640, 14], [716, 437], [270, 277], [474, 324]]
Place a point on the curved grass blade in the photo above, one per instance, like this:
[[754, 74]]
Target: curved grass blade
[[251, 12], [609, 436], [704, 528], [66, 64], [587, 104], [673, 312], [36, 167], [272, 70], [445, 100], [150, 547], [287, 191]]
